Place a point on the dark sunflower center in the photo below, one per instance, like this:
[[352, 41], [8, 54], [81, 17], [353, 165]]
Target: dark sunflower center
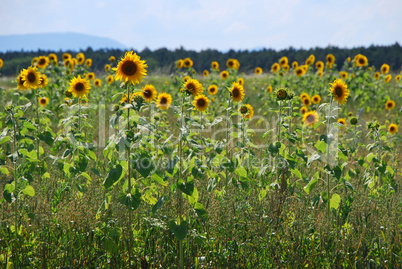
[[212, 89], [163, 101], [21, 81], [43, 101], [230, 64], [42, 61], [79, 87], [186, 63], [310, 118], [147, 93], [129, 68], [389, 105], [306, 101], [190, 87], [282, 62], [315, 99], [392, 128], [361, 61], [31, 77], [338, 91], [201, 102], [235, 92]]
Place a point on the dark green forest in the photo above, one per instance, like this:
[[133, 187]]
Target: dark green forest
[[163, 60]]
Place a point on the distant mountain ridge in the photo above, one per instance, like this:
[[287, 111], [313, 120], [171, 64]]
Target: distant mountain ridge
[[57, 41]]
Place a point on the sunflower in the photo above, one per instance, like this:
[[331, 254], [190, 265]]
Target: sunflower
[[269, 89], [377, 75], [75, 61], [187, 63], [201, 103], [388, 78], [320, 73], [237, 92], [1, 63], [233, 63], [283, 61], [107, 67], [348, 59], [124, 99], [66, 56], [149, 92], [361, 60], [303, 110], [309, 61], [88, 62], [205, 73], [53, 58], [43, 101], [306, 102], [31, 77], [110, 79], [79, 87], [224, 74], [68, 63], [393, 128], [343, 74], [80, 58], [398, 78], [43, 62], [295, 64], [186, 78], [258, 71], [319, 65], [304, 95], [353, 120], [164, 100], [213, 89], [299, 71], [20, 82], [281, 94], [340, 91], [389, 105], [330, 59], [97, 82], [316, 99], [193, 87], [384, 69], [179, 63], [342, 121], [68, 101], [310, 118], [240, 81], [215, 65], [275, 68], [131, 68], [90, 75], [112, 59], [43, 81], [136, 95], [250, 112]]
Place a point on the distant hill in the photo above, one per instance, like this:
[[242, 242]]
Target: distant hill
[[56, 42]]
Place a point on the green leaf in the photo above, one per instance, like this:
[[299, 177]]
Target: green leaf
[[296, 173], [29, 190], [324, 196], [313, 157], [85, 174], [159, 180], [187, 187], [8, 193], [4, 170], [321, 146], [158, 204], [131, 200], [144, 164], [29, 125], [47, 137], [113, 176], [179, 231], [335, 201], [46, 175], [241, 171], [5, 139], [200, 210], [310, 186]]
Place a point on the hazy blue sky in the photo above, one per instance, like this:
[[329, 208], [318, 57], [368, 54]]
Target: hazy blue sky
[[222, 25]]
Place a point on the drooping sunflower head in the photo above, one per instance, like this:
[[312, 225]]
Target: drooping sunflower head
[[281, 94], [393, 128], [131, 68], [258, 71], [20, 82], [312, 58], [164, 100], [295, 64], [384, 69], [269, 89], [388, 78], [309, 61], [233, 63], [213, 89], [43, 101], [31, 77], [224, 74], [179, 63], [215, 65], [187, 63], [66, 56], [79, 87], [310, 118], [240, 81], [342, 121], [286, 67], [88, 62], [97, 82], [330, 59], [398, 78], [149, 92], [250, 112], [205, 73], [320, 73], [53, 58], [237, 92], [283, 61], [389, 105], [112, 59], [275, 68], [201, 103], [43, 62], [339, 91], [110, 79], [193, 87], [43, 81], [316, 99], [107, 67], [343, 74], [80, 58]]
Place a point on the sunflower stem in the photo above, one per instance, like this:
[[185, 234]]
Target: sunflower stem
[[279, 121], [328, 177], [129, 179], [38, 123], [179, 192]]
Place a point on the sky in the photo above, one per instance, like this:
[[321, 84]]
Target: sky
[[212, 24]]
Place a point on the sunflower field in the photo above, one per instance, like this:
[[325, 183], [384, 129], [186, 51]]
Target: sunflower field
[[298, 166]]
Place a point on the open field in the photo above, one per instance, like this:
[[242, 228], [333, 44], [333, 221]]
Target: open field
[[297, 166]]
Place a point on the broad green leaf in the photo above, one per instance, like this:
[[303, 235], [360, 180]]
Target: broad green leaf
[[179, 231], [200, 210], [47, 137], [187, 187], [8, 193], [310, 186], [113, 176], [85, 174], [29, 190], [241, 171], [29, 125], [335, 201], [296, 173], [321, 146], [159, 180], [131, 200], [144, 164], [4, 170]]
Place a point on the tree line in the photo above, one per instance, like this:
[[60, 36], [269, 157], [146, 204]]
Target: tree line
[[163, 60]]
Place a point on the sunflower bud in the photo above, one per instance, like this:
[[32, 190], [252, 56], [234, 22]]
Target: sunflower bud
[[350, 114], [353, 120], [281, 94], [243, 109]]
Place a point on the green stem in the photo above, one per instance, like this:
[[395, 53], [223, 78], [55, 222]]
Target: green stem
[[79, 114], [129, 179], [279, 121], [38, 123], [328, 178], [179, 193], [202, 144], [227, 140], [15, 150]]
